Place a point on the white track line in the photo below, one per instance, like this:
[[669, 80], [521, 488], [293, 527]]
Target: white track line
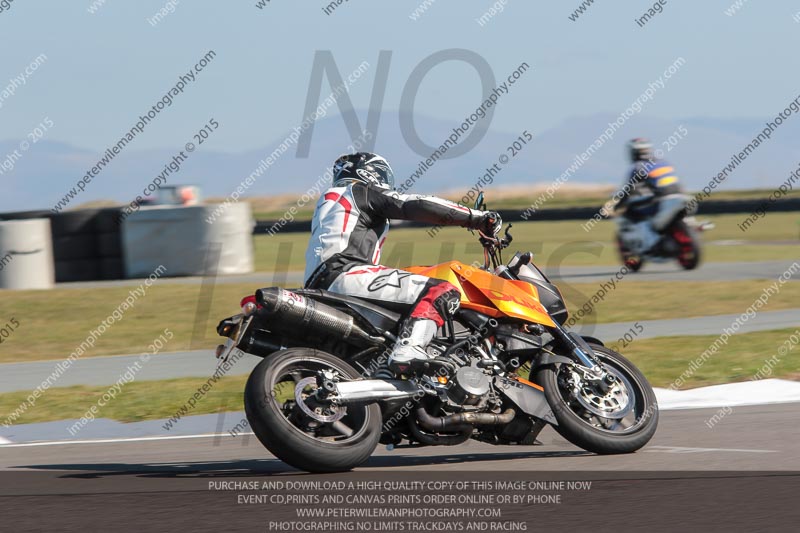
[[684, 449], [107, 441]]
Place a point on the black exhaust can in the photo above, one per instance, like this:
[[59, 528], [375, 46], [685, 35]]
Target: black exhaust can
[[301, 315]]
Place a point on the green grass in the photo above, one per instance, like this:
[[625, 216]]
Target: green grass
[[663, 360], [656, 300], [554, 243], [305, 213], [53, 323], [136, 401], [49, 332]]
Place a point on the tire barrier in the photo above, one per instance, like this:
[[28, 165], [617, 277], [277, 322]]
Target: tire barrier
[[86, 243], [26, 254]]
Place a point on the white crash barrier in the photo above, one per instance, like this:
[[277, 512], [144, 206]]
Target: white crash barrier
[[181, 239], [755, 392]]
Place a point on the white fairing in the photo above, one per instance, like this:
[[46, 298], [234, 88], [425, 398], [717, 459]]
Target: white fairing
[[637, 236], [668, 207]]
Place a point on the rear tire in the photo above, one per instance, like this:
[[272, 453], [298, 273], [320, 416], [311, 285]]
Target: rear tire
[[689, 243], [284, 439], [579, 431]]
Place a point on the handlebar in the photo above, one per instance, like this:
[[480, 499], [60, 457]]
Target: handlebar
[[493, 247]]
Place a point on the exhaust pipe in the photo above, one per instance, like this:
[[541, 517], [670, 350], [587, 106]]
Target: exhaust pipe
[[297, 312], [459, 422], [372, 390], [439, 440]]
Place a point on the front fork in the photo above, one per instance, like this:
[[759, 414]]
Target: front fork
[[580, 350], [583, 354]]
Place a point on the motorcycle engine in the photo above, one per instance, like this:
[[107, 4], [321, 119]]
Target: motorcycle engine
[[469, 387]]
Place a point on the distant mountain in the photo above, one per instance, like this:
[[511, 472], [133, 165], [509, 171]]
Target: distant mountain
[[48, 169]]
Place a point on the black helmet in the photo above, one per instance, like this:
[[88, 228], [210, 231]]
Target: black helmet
[[640, 149], [363, 167]]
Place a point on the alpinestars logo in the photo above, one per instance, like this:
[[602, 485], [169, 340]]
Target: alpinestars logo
[[392, 279], [454, 305]]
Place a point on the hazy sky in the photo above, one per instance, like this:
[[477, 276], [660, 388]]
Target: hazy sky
[[104, 69]]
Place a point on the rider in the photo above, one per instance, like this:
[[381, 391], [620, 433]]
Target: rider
[[349, 228], [649, 179]]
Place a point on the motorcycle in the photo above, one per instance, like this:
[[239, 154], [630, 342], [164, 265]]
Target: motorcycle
[[502, 368], [677, 237]]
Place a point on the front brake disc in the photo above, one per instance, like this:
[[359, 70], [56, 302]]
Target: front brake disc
[[616, 403]]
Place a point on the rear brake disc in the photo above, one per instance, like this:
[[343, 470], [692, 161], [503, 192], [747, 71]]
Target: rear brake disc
[[337, 412]]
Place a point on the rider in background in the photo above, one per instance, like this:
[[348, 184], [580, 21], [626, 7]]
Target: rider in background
[[649, 181], [349, 228]]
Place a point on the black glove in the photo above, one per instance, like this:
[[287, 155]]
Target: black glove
[[491, 223]]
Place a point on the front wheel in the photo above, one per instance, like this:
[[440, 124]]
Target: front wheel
[[282, 409], [629, 259], [620, 420]]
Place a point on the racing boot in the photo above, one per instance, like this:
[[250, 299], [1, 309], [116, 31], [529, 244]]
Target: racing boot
[[409, 351]]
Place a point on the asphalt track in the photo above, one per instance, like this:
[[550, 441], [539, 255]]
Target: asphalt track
[[743, 474], [757, 438]]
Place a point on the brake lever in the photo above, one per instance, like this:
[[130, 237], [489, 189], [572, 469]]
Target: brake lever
[[486, 241]]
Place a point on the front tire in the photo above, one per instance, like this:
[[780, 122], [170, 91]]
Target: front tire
[[578, 421], [629, 259], [292, 433]]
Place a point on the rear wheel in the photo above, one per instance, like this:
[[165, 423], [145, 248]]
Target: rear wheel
[[619, 420], [282, 409], [689, 243]]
